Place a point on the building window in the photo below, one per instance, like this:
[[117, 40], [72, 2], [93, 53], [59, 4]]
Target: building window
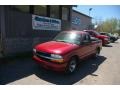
[[65, 13], [22, 8], [54, 11], [40, 10]]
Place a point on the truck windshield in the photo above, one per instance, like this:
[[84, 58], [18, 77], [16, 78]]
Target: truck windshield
[[69, 37]]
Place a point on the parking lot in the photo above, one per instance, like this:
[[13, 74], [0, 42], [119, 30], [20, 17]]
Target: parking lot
[[103, 70]]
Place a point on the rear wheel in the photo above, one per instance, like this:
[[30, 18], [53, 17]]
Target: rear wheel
[[97, 52], [71, 67], [112, 41]]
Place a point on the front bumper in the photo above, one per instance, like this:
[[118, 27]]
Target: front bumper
[[60, 67], [106, 42]]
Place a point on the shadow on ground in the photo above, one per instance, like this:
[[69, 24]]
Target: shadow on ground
[[20, 68], [14, 69], [87, 67], [116, 42], [107, 45]]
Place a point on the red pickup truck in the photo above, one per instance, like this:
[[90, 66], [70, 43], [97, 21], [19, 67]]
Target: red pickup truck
[[105, 39], [66, 50]]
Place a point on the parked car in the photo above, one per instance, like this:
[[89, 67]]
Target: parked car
[[66, 50], [112, 38], [116, 35], [105, 39]]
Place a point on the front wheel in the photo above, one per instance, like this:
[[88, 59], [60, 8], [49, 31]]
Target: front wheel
[[71, 67]]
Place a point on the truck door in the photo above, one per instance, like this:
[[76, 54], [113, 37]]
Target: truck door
[[86, 48], [89, 46]]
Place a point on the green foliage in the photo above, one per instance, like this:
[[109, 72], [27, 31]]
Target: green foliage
[[110, 25]]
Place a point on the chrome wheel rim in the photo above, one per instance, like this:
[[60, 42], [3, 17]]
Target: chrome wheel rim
[[97, 53], [72, 66]]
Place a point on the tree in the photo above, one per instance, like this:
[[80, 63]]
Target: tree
[[110, 25]]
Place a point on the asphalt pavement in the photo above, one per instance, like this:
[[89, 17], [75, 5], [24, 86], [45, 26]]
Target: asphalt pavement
[[104, 70]]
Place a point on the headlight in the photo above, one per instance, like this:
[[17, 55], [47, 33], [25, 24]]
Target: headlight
[[34, 50], [55, 56]]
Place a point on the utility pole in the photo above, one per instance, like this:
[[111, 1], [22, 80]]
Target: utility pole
[[90, 9]]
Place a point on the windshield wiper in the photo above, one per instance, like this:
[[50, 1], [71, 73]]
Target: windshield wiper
[[61, 41], [64, 41]]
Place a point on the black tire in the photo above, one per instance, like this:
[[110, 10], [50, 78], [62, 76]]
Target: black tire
[[71, 67], [97, 52], [112, 41]]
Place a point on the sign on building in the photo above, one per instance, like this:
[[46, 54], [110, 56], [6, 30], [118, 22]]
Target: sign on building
[[76, 20], [45, 23]]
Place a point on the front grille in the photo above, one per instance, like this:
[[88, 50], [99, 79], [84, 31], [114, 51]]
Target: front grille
[[43, 55], [43, 58]]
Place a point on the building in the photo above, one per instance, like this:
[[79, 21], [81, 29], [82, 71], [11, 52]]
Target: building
[[81, 21], [23, 26]]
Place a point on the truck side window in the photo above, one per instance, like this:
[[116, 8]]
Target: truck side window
[[86, 37]]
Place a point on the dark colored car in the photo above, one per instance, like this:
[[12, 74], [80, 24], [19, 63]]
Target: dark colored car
[[112, 38], [66, 50], [105, 39]]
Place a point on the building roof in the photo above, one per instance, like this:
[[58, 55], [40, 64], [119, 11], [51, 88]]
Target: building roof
[[81, 13]]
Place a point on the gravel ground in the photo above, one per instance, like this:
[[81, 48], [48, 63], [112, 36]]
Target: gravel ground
[[104, 70]]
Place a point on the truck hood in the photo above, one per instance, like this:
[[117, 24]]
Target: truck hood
[[56, 47]]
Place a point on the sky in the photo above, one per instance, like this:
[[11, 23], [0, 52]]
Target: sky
[[100, 12]]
